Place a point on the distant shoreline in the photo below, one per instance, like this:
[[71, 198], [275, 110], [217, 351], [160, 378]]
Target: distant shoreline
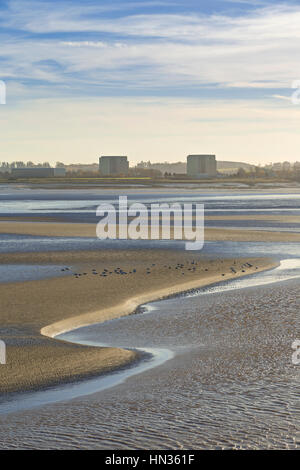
[[267, 185]]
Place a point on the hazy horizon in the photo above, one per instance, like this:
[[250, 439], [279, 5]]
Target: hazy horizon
[[153, 80]]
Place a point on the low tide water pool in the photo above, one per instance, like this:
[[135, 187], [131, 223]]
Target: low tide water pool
[[30, 272]]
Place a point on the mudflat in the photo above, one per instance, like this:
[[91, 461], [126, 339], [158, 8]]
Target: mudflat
[[101, 285]]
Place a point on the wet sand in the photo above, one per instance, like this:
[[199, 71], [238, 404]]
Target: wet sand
[[231, 384], [265, 216], [54, 305], [64, 229], [259, 217]]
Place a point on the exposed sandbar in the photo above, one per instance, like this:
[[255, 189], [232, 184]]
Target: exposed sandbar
[[64, 229], [59, 304]]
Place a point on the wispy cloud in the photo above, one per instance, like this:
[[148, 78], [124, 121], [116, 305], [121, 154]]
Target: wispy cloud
[[41, 18], [218, 78], [282, 97], [253, 50]]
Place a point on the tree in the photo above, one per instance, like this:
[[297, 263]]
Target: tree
[[241, 173]]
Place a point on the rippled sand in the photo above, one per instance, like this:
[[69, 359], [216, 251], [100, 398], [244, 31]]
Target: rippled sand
[[51, 306], [231, 384]]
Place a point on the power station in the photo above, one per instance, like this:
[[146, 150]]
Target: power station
[[201, 166], [113, 165]]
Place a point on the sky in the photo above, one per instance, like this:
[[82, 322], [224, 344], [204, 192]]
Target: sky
[[153, 80]]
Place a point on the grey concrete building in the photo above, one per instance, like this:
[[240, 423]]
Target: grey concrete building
[[201, 166], [59, 171], [113, 165], [37, 172]]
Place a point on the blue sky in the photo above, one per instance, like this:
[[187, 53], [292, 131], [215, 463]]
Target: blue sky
[[153, 79]]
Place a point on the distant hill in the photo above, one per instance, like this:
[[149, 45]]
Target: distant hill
[[230, 168], [180, 167], [223, 165]]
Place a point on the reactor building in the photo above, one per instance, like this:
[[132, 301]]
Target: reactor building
[[113, 165], [201, 166]]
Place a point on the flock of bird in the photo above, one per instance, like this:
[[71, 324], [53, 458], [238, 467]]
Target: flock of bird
[[188, 266]]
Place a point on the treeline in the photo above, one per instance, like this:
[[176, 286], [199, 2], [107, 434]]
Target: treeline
[[20, 164]]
